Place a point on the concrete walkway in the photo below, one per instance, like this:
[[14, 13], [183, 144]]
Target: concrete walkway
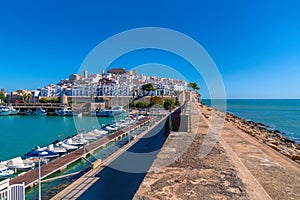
[[238, 166]]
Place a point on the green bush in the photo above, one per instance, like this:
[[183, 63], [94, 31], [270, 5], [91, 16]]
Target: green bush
[[132, 104], [54, 100], [43, 100], [142, 104], [169, 103]]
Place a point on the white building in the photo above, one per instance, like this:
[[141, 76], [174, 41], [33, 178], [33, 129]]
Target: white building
[[11, 192], [113, 84]]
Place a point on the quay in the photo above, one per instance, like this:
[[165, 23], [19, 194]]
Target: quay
[[31, 177]]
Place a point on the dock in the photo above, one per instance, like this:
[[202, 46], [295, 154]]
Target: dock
[[30, 178]]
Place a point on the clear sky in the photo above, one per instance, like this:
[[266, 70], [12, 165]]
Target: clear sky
[[255, 44]]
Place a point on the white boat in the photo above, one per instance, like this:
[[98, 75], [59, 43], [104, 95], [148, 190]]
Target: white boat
[[68, 147], [13, 111], [64, 112], [75, 142], [28, 112], [100, 132], [55, 149], [19, 164], [5, 171], [85, 137], [40, 112], [37, 152], [94, 113], [4, 111], [114, 111], [111, 128]]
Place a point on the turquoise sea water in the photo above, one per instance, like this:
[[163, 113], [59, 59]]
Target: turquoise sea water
[[21, 133], [279, 114]]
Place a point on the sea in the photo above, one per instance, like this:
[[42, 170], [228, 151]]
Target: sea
[[277, 114]]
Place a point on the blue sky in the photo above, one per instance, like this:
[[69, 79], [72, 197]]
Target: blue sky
[[255, 44]]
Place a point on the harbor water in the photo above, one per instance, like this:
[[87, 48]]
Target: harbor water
[[21, 133]]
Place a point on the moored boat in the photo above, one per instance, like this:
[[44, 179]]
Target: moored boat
[[40, 112], [13, 111], [5, 171], [68, 147], [55, 149], [19, 164], [114, 111], [111, 128], [64, 112], [38, 152], [4, 111], [28, 112]]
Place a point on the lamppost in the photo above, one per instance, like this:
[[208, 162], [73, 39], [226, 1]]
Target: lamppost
[[43, 153], [129, 123]]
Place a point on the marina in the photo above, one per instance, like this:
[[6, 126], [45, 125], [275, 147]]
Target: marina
[[77, 153]]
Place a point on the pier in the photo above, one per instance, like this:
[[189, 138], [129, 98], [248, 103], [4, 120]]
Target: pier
[[30, 178]]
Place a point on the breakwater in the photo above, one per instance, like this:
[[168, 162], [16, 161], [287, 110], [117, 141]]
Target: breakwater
[[263, 134]]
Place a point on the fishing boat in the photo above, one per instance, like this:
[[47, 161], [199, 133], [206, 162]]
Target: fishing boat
[[4, 111], [5, 171], [40, 112]]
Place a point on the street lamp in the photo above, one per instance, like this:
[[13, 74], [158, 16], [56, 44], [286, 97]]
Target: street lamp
[[43, 153]]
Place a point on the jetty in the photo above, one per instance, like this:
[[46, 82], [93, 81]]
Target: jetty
[[239, 165], [30, 178]]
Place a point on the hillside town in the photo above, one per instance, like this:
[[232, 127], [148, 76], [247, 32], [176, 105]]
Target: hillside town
[[116, 82]]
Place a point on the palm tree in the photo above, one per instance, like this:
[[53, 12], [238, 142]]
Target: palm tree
[[28, 97]]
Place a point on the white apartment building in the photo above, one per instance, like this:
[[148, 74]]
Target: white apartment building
[[114, 85], [11, 192]]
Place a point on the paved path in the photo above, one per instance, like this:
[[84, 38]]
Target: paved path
[[238, 167]]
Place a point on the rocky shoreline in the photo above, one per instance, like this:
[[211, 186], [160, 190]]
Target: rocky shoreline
[[263, 134]]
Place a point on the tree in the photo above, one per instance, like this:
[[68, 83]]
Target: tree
[[23, 97], [177, 93], [141, 104], [28, 96], [2, 97], [156, 100], [148, 87], [194, 86], [132, 104], [169, 103]]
